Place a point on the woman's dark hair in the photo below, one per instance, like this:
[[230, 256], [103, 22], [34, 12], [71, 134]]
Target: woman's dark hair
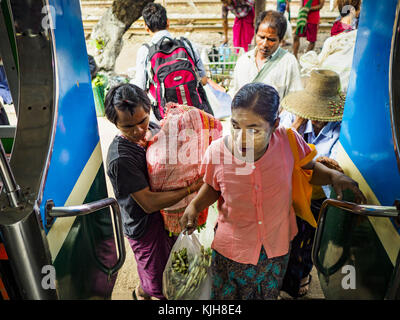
[[261, 98], [155, 17], [275, 19], [125, 97]]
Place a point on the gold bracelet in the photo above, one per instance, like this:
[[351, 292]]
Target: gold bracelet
[[188, 190]]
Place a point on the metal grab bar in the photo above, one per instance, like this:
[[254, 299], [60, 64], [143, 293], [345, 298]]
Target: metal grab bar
[[87, 208], [11, 187], [364, 210]]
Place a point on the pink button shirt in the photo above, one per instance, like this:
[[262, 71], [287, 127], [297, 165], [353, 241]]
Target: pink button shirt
[[255, 209]]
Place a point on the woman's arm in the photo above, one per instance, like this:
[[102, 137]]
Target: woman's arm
[[322, 175], [153, 201], [205, 198], [318, 7]]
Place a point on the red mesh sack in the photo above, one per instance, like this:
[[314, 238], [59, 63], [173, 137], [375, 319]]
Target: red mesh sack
[[174, 156]]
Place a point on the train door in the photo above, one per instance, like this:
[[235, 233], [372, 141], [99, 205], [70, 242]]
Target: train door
[[58, 237], [356, 247]]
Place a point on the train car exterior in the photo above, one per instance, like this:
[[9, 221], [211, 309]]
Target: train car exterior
[[356, 249], [60, 240], [59, 237]]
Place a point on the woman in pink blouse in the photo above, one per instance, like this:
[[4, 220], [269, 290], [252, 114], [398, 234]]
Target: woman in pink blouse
[[250, 174]]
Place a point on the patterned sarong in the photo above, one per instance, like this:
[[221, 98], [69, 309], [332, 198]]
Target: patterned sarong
[[238, 281], [151, 254]]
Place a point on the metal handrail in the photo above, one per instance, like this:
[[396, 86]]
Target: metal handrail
[[87, 208], [363, 209], [359, 209], [12, 189]]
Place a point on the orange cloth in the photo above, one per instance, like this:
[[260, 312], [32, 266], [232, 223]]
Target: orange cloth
[[254, 209], [301, 188]]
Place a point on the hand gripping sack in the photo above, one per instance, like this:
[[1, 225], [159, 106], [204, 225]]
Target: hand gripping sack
[[301, 187], [175, 154], [187, 274], [172, 75]]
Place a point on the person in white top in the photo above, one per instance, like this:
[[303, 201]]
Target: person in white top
[[268, 62], [157, 24]]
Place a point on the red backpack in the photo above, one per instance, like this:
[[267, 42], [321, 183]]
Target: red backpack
[[172, 75]]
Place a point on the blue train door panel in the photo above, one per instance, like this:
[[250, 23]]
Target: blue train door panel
[[356, 248], [55, 215]]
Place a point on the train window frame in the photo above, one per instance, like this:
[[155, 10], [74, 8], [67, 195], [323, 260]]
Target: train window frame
[[394, 85]]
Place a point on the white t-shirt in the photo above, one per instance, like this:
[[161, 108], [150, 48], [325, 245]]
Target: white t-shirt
[[284, 76]]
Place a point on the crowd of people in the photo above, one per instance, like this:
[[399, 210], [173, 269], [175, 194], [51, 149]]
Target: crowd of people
[[260, 247]]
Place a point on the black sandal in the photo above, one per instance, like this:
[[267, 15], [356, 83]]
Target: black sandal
[[305, 284], [134, 295]]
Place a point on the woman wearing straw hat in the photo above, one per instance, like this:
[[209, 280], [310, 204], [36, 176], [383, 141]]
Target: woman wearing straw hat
[[316, 111], [316, 114]]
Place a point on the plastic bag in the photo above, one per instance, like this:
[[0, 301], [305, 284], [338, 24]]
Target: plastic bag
[[187, 272], [220, 102], [206, 234]]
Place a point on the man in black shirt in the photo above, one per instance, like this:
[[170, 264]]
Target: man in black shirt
[[128, 107]]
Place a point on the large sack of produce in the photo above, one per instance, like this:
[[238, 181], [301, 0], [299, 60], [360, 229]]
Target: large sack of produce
[[174, 156]]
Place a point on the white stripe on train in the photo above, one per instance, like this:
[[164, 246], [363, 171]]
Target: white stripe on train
[[61, 227], [383, 227]]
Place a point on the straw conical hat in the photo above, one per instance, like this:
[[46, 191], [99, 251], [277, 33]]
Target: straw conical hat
[[321, 100]]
